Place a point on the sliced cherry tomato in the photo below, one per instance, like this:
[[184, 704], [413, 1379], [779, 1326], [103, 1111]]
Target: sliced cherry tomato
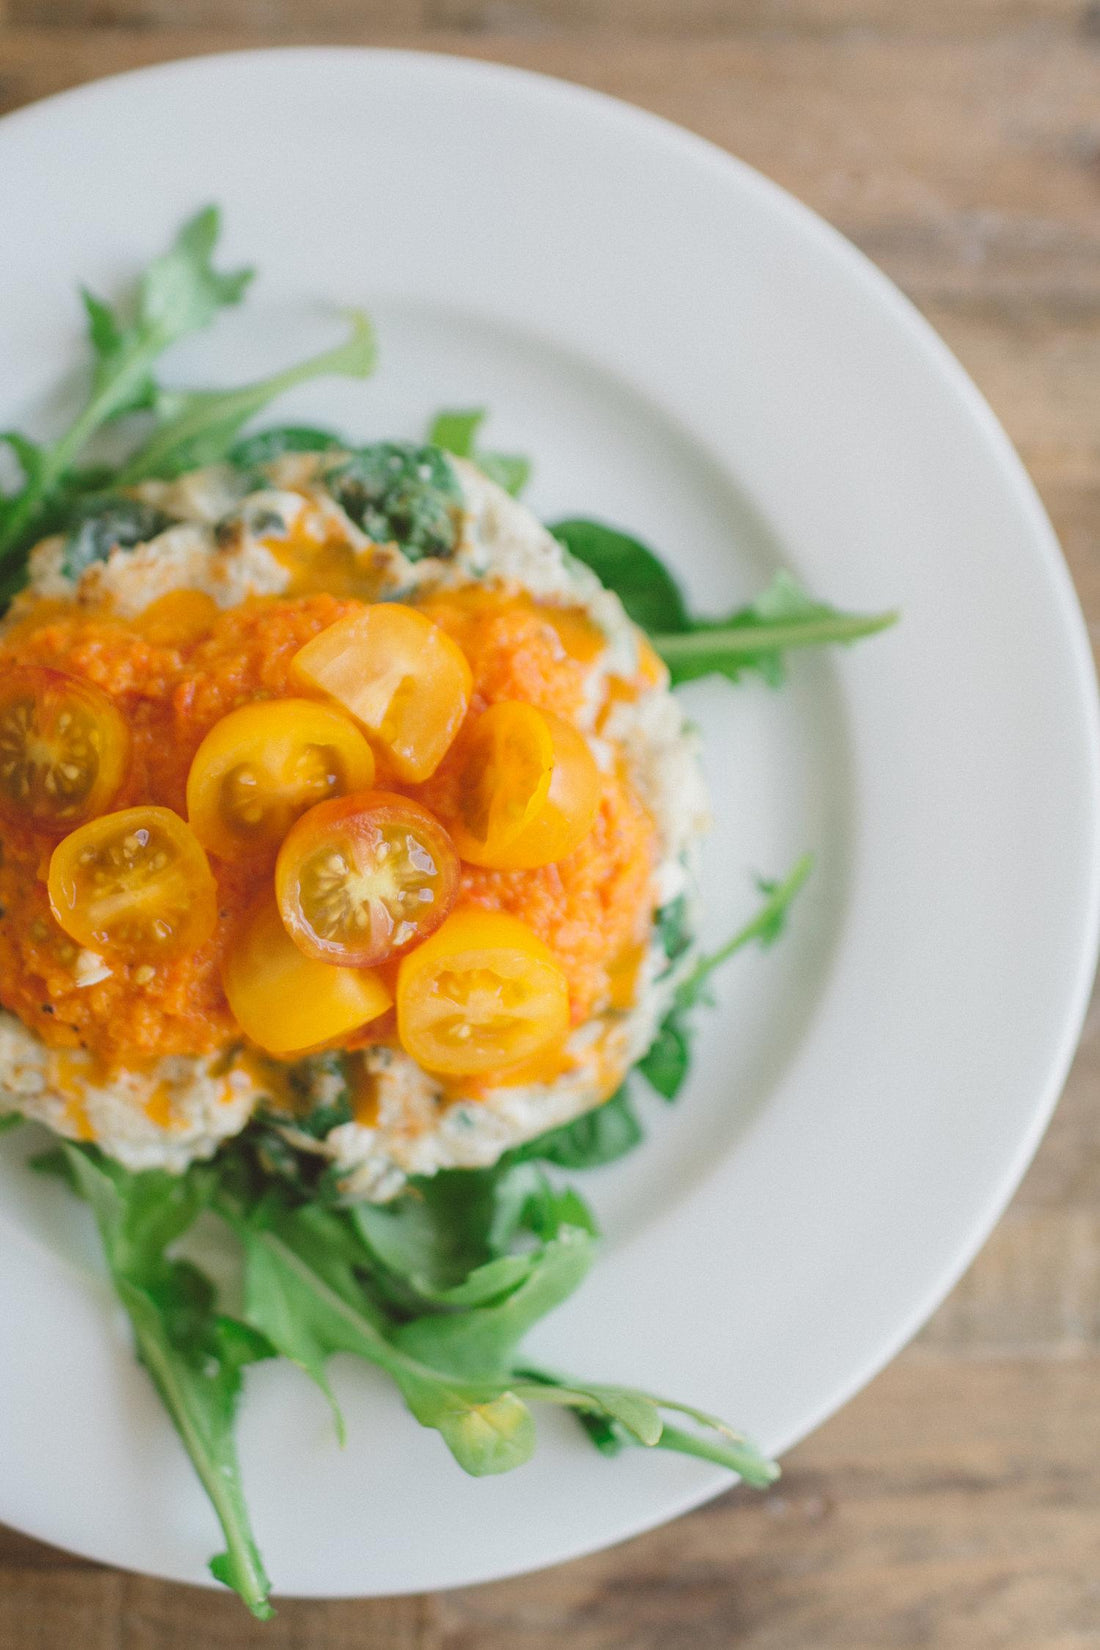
[[528, 791], [400, 676], [261, 767], [64, 749], [483, 993], [364, 877], [288, 1002], [136, 883]]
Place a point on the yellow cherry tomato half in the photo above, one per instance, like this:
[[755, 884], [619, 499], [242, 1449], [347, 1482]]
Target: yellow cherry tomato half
[[64, 749], [263, 766], [402, 678], [483, 993], [136, 883], [287, 1002], [528, 790], [364, 877]]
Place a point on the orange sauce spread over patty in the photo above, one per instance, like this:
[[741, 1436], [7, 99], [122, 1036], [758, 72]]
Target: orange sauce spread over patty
[[183, 665]]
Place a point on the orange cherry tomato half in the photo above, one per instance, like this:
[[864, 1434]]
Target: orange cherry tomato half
[[483, 993], [364, 877], [64, 749], [402, 678], [136, 883], [528, 790], [261, 767], [287, 1002]]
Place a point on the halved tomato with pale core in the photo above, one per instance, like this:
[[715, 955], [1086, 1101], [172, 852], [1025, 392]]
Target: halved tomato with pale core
[[263, 766], [135, 883], [403, 679], [287, 1002], [528, 789], [482, 994], [64, 749], [364, 877]]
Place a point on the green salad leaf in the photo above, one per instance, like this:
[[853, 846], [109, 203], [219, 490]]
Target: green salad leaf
[[196, 427], [10, 1120], [456, 432], [642, 582], [179, 293], [755, 637], [595, 1138], [193, 1353]]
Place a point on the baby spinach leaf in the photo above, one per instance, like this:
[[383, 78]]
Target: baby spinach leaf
[[201, 426], [641, 581], [665, 1065], [179, 293], [193, 1354], [596, 1137], [268, 445], [456, 432], [104, 522], [402, 494]]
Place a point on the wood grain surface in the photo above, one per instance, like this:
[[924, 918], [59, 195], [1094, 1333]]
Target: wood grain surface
[[956, 1502]]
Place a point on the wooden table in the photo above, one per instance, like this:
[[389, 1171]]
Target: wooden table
[[956, 1502]]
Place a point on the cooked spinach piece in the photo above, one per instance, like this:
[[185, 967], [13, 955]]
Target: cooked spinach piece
[[399, 493], [320, 1086], [106, 522]]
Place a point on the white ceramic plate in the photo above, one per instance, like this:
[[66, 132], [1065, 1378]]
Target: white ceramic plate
[[690, 353]]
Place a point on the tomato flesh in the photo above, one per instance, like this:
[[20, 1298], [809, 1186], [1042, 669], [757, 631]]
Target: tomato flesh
[[362, 878], [400, 676], [262, 766], [484, 993], [286, 1002], [64, 749], [528, 789], [135, 883]]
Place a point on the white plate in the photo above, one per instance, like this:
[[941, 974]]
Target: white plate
[[686, 351]]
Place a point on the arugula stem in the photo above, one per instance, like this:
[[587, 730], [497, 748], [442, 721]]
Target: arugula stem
[[748, 641], [750, 1466], [759, 928]]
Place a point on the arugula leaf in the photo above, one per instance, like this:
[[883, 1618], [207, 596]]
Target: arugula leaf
[[10, 1120], [665, 1065], [596, 1137], [752, 638], [642, 582], [481, 1342], [198, 427], [179, 293], [403, 494], [256, 450], [193, 1354], [309, 1308], [456, 432], [756, 637]]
